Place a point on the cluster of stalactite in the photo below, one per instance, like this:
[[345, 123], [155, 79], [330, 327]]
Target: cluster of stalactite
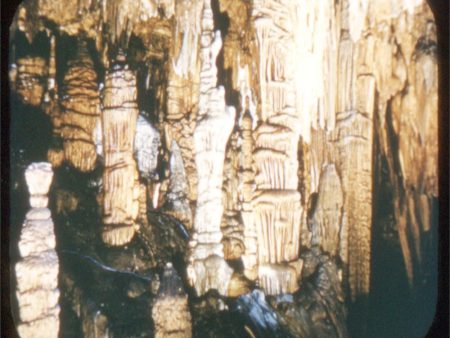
[[264, 136]]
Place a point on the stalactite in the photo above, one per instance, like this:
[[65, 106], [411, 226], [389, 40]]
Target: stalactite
[[121, 191], [81, 111], [171, 311], [37, 271]]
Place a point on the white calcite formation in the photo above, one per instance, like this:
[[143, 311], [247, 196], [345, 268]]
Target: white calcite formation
[[276, 202], [207, 268], [37, 270], [146, 147], [120, 177], [39, 177]]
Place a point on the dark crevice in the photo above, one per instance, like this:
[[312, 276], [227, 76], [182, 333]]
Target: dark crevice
[[224, 75]]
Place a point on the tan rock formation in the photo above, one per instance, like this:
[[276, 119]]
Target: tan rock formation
[[121, 190], [37, 270], [246, 188], [232, 227], [328, 212], [81, 110], [183, 86], [30, 79]]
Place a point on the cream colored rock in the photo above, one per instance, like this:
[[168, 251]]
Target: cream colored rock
[[44, 273], [39, 176], [38, 268], [40, 328], [207, 267], [276, 202], [121, 190], [38, 214], [183, 87]]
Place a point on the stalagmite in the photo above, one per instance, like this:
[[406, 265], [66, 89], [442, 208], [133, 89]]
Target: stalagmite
[[81, 110], [37, 270], [207, 268], [171, 311], [121, 190]]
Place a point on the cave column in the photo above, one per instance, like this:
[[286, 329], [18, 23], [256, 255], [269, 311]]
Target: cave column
[[276, 201], [120, 177], [207, 267]]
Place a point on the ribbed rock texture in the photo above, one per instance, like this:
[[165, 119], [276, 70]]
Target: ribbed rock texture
[[81, 111], [208, 269], [266, 127], [121, 188], [37, 270]]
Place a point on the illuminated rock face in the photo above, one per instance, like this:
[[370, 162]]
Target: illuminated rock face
[[37, 270], [121, 189], [208, 269], [81, 111], [323, 92]]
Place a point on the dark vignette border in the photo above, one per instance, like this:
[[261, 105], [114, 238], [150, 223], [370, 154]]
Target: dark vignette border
[[440, 326]]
